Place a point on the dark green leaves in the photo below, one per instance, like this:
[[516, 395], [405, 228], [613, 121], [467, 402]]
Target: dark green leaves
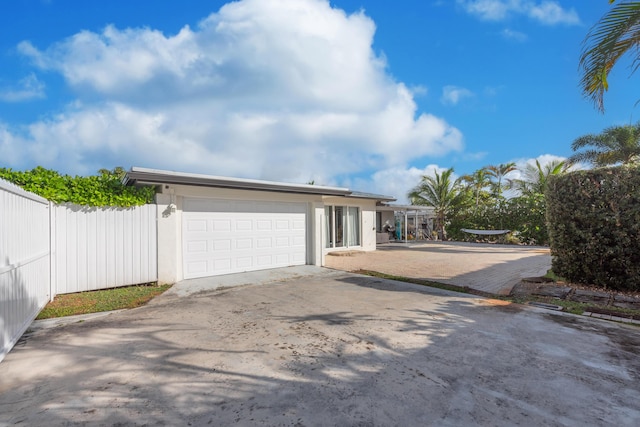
[[594, 227]]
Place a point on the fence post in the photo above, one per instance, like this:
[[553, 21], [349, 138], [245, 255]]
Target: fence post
[[53, 285]]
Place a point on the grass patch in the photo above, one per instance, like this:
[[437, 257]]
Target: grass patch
[[103, 300], [568, 306]]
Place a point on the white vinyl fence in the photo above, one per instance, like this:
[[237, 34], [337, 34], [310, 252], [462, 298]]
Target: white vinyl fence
[[46, 250], [25, 281], [98, 248]]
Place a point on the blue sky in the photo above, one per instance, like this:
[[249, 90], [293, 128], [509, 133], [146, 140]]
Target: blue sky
[[365, 94]]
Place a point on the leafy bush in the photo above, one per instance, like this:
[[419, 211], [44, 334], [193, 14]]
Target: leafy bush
[[523, 215], [594, 227], [105, 189]]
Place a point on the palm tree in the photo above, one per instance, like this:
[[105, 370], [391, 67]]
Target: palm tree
[[617, 33], [535, 178], [441, 192], [477, 181], [616, 144], [499, 172]]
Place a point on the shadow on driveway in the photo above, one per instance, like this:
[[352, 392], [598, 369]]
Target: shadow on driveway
[[330, 348]]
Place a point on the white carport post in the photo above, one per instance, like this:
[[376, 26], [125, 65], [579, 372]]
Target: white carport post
[[405, 227]]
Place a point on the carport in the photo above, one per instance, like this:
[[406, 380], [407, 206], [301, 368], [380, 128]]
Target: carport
[[420, 217]]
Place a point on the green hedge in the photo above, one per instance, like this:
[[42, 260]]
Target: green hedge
[[594, 227], [523, 215], [105, 189]]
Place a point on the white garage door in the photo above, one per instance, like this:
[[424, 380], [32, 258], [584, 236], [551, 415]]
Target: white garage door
[[226, 236]]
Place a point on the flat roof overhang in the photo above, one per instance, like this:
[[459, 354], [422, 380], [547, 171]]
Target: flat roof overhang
[[138, 175], [404, 208]]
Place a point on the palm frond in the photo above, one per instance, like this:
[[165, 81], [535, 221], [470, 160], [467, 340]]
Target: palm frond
[[613, 36]]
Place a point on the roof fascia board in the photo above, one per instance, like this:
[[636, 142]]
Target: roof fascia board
[[156, 176]]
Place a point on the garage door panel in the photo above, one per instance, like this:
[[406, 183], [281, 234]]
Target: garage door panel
[[283, 224], [197, 246], [244, 225], [222, 265], [254, 236], [197, 267], [282, 242], [264, 225], [264, 261], [297, 259], [282, 258], [221, 225], [197, 225], [244, 243], [263, 243], [222, 245]]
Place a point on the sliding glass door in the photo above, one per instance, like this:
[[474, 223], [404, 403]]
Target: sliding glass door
[[342, 226], [352, 227]]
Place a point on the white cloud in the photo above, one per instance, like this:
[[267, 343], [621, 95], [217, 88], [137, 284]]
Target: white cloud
[[27, 89], [490, 10], [551, 13], [397, 181], [474, 156], [544, 159], [452, 95], [514, 35], [544, 12], [289, 90]]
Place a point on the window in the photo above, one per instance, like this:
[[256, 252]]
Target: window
[[342, 226]]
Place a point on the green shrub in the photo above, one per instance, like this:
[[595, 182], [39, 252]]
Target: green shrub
[[105, 189], [523, 215], [594, 227]]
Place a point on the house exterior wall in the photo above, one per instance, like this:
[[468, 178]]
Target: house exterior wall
[[367, 220], [170, 207]]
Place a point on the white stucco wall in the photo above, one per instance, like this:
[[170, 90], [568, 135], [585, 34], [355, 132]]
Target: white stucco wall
[[169, 239]]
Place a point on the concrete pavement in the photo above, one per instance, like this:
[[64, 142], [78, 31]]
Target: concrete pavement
[[494, 269], [325, 347]]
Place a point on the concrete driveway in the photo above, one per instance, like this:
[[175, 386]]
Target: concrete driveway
[[323, 347]]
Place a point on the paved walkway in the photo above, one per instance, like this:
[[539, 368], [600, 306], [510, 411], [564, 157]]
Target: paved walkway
[[495, 269]]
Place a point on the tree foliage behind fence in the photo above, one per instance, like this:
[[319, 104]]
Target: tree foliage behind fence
[[105, 189], [594, 227]]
